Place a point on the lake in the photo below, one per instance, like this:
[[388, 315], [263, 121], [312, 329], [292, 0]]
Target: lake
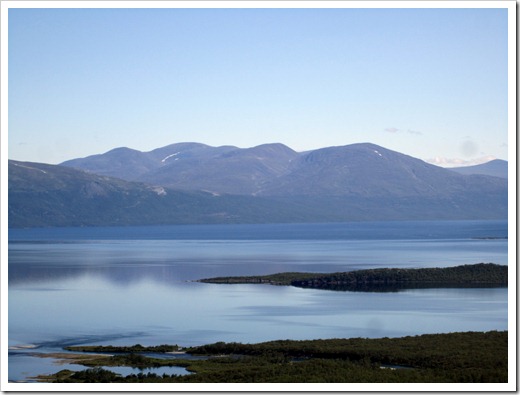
[[122, 286]]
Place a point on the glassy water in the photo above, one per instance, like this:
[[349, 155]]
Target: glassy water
[[122, 286]]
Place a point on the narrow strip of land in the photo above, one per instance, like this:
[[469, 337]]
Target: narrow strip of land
[[477, 275]]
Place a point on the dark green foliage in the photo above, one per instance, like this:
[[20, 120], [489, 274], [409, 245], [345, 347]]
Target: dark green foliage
[[481, 273], [462, 357], [275, 279], [453, 357], [94, 375]]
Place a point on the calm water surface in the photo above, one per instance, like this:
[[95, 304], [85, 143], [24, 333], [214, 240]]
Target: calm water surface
[[72, 286]]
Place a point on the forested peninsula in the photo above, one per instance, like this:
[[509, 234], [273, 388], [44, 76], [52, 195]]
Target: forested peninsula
[[381, 280]]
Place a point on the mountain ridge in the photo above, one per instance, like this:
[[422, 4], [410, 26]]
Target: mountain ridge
[[270, 183], [277, 170]]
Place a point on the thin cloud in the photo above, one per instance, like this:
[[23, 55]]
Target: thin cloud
[[457, 162], [396, 130], [468, 148], [392, 130]]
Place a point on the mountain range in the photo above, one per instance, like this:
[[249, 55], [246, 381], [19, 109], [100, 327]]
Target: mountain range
[[275, 169], [194, 166], [496, 168], [197, 183]]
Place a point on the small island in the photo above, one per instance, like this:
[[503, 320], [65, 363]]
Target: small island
[[383, 280]]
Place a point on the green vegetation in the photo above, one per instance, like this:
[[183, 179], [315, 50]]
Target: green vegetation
[[453, 357], [481, 274]]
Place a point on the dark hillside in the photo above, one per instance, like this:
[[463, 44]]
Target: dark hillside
[[48, 195]]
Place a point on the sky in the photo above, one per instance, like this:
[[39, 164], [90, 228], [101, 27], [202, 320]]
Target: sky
[[430, 83]]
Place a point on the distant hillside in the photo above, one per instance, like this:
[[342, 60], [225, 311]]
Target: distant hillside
[[495, 168], [49, 195]]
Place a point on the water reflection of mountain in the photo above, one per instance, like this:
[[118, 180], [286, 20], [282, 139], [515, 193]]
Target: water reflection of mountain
[[123, 275]]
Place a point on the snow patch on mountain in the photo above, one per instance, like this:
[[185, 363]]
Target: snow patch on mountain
[[170, 156], [159, 191], [31, 168]]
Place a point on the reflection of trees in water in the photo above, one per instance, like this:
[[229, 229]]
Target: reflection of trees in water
[[396, 288]]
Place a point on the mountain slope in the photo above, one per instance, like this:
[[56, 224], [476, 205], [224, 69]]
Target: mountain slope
[[133, 165], [239, 171], [370, 171], [495, 168], [50, 195], [365, 181]]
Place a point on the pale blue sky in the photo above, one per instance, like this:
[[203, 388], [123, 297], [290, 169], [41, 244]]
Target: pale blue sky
[[425, 82]]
